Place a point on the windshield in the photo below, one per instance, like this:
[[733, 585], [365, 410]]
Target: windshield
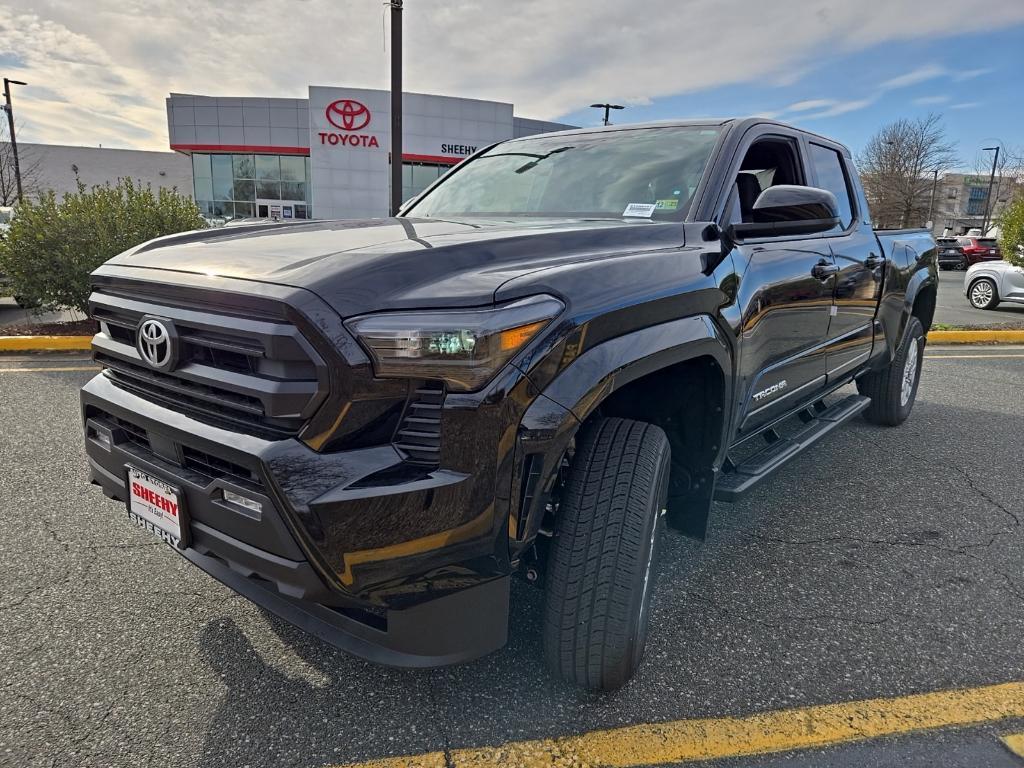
[[643, 172]]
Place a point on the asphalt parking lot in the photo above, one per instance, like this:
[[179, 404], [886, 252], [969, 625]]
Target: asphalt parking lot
[[887, 563]]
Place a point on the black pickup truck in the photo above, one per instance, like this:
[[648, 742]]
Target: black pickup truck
[[569, 341]]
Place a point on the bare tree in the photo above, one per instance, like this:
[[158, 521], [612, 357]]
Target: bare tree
[[897, 168], [29, 164]]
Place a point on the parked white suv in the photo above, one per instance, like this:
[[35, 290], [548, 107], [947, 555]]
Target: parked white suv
[[988, 283]]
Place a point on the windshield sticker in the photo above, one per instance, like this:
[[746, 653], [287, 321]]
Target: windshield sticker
[[644, 210], [667, 204]]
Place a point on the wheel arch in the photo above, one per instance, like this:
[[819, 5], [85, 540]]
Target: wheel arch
[[923, 307], [983, 275], [634, 376]]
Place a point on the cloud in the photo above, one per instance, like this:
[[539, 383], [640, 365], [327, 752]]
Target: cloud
[[840, 108], [970, 74], [808, 104], [547, 58], [924, 101], [965, 105], [919, 75]]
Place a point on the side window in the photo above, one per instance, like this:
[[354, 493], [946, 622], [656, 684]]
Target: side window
[[828, 166], [768, 161]]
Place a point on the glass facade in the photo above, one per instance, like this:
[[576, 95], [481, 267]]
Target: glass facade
[[248, 185], [416, 177], [977, 197], [245, 185]]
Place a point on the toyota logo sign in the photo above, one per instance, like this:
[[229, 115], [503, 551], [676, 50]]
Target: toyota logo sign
[[157, 343], [348, 115]]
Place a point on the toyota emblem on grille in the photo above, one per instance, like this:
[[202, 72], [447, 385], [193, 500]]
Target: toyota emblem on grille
[[157, 343]]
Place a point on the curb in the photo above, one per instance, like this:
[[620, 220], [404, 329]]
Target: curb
[[83, 343], [977, 337], [44, 343]]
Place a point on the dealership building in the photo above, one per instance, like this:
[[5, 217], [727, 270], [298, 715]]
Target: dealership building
[[327, 156]]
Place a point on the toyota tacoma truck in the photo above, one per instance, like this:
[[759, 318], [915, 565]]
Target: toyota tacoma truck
[[567, 343]]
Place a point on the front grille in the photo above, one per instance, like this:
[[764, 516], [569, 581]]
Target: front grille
[[253, 373], [419, 435], [206, 464]]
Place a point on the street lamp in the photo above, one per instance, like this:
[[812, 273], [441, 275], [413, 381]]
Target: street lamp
[[10, 122], [931, 200], [988, 195], [607, 108]]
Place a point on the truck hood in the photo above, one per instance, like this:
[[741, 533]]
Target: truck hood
[[375, 264]]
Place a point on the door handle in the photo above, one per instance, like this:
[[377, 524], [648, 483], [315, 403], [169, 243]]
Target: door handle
[[872, 261], [823, 270]]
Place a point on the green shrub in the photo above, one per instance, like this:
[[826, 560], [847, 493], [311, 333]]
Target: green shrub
[[1011, 232], [52, 245]]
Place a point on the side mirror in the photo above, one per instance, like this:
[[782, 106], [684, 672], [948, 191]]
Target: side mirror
[[788, 209]]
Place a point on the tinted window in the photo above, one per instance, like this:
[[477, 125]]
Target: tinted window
[[829, 168]]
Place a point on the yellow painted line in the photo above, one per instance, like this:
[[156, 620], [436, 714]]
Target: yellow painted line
[[968, 357], [974, 337], [61, 368], [717, 738], [43, 343], [1015, 743]]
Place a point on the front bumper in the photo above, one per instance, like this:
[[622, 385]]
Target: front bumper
[[437, 599]]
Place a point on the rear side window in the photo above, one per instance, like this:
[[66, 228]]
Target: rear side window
[[828, 167]]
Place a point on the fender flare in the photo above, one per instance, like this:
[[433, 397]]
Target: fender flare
[[919, 281], [552, 420]]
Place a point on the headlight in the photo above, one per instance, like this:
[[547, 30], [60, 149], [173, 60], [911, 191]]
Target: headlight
[[463, 347]]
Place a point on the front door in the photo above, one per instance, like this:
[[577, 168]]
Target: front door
[[786, 298], [860, 261], [784, 294]]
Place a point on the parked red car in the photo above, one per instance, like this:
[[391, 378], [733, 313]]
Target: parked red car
[[966, 251]]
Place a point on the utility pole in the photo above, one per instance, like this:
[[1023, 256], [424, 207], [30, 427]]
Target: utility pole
[[10, 123], [607, 108], [396, 105], [988, 195]]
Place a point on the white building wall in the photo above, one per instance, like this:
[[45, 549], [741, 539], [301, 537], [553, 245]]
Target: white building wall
[[57, 166], [351, 179], [348, 175]]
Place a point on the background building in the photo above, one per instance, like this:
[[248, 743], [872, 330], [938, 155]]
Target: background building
[[328, 155], [59, 168], [960, 201]]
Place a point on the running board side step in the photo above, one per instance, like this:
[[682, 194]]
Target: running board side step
[[734, 481]]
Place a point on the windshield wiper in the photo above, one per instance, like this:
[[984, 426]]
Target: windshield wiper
[[533, 163]]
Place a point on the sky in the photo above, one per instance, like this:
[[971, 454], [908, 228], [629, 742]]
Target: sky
[[99, 70]]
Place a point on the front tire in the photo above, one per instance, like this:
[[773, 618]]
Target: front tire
[[893, 389], [983, 294], [600, 573]]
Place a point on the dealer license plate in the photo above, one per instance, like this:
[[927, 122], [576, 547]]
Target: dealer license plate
[[155, 505]]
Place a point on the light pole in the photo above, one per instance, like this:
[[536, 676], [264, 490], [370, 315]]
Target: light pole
[[988, 195], [931, 200], [607, 108], [396, 105], [10, 123]]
